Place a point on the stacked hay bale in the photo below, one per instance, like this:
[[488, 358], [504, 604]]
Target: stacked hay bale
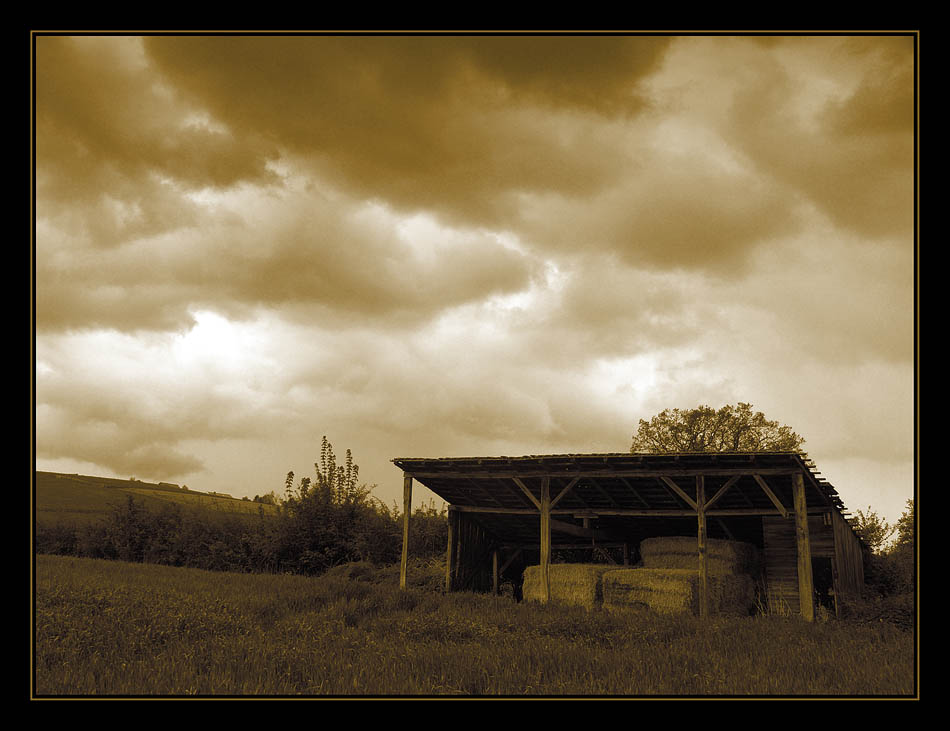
[[677, 590], [669, 579], [571, 583], [680, 552]]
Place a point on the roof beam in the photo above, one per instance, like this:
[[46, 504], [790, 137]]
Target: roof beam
[[485, 492], [579, 531], [775, 501], [630, 512], [679, 491], [603, 492], [502, 474], [526, 491], [563, 546], [635, 493], [564, 492], [719, 493]]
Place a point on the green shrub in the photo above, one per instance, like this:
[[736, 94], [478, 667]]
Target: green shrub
[[871, 608]]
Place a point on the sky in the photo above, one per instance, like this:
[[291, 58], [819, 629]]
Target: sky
[[482, 245]]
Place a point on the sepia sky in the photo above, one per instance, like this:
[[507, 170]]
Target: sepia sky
[[468, 246]]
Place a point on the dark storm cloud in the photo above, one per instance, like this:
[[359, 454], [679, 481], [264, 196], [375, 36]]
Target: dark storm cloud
[[107, 132], [424, 122]]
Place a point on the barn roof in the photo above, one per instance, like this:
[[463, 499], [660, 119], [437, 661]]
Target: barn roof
[[657, 489]]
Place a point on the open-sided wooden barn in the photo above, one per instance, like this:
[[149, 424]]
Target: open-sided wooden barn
[[509, 512]]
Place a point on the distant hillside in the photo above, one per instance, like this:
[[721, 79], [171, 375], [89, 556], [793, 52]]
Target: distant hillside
[[62, 498]]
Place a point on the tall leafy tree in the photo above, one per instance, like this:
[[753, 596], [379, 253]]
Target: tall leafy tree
[[705, 429], [903, 551], [873, 529]]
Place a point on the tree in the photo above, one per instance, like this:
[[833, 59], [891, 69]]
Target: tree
[[889, 568], [906, 531], [874, 530], [333, 519], [705, 429], [903, 551]]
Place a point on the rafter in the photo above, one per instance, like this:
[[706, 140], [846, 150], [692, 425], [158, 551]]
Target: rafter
[[632, 512], [564, 492], [775, 501], [485, 492], [679, 491], [719, 493], [526, 491], [603, 492], [636, 494], [579, 531]]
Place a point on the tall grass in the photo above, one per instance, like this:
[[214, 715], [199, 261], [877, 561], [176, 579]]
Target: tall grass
[[109, 628]]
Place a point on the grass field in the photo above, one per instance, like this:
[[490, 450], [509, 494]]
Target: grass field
[[79, 499], [110, 628]]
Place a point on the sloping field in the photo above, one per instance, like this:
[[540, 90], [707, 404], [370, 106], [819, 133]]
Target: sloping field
[[81, 499], [227, 505], [63, 500]]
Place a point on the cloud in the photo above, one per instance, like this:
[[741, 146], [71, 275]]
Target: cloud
[[158, 393], [287, 249], [462, 245], [672, 213], [116, 150], [451, 125], [851, 155]]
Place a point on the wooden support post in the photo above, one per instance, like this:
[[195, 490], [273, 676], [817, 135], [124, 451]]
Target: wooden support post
[[806, 591], [545, 539], [494, 572], [450, 551], [701, 536], [406, 509]]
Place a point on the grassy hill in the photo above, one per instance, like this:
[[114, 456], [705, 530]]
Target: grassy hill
[[65, 498]]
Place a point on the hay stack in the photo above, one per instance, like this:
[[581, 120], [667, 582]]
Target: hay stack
[[571, 583], [670, 591], [680, 552]]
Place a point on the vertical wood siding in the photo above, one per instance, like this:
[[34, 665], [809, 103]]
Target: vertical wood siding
[[848, 556], [781, 557]]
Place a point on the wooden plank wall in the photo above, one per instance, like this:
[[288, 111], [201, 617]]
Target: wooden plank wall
[[849, 557], [781, 557], [474, 552]]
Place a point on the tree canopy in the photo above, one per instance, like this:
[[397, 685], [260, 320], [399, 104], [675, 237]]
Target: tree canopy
[[891, 566], [705, 429], [873, 529]]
